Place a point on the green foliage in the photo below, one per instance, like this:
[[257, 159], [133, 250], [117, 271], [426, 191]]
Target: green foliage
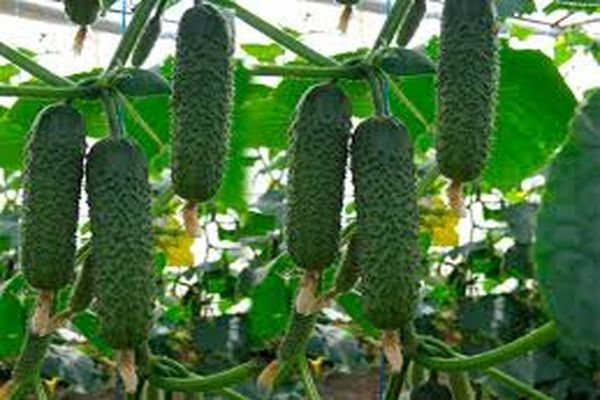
[[137, 82], [317, 159], [384, 182], [404, 62], [467, 84], [52, 185], [12, 323], [202, 100], [567, 266], [119, 201]]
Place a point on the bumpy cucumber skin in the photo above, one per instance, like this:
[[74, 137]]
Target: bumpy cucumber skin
[[467, 81], [349, 271], [202, 101], [387, 221], [82, 12], [119, 199], [296, 338], [317, 154], [567, 250], [83, 289], [51, 191], [413, 20], [146, 41]]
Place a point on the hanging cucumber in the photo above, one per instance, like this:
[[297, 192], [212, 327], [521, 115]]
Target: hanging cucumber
[[317, 159], [119, 200], [317, 155], [467, 82], [148, 37], [51, 190], [387, 221], [201, 103], [411, 24], [82, 13], [566, 248]]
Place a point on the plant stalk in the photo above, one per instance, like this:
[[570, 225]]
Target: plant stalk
[[533, 340], [130, 37], [209, 383], [36, 70], [282, 38], [44, 92], [396, 382], [301, 71], [396, 16], [519, 387], [110, 109], [312, 393]]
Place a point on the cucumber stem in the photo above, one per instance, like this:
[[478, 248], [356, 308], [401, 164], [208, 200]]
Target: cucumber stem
[[396, 382], [130, 37], [396, 16], [114, 122], [533, 340], [301, 71], [435, 346], [208, 383], [377, 94], [36, 70], [44, 92], [279, 36], [312, 393]]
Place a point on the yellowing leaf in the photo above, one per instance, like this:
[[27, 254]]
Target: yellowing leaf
[[441, 222], [176, 243]]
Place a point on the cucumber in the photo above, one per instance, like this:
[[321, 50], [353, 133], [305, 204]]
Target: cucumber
[[201, 102], [387, 221], [467, 83], [51, 191], [317, 154], [119, 200]]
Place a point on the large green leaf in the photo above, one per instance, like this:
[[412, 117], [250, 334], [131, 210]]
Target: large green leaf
[[535, 107]]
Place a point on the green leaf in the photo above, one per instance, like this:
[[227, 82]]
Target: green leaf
[[351, 304], [7, 72], [520, 32], [509, 8], [534, 110], [271, 303], [87, 324], [155, 111], [12, 325], [265, 53], [403, 62], [142, 83]]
